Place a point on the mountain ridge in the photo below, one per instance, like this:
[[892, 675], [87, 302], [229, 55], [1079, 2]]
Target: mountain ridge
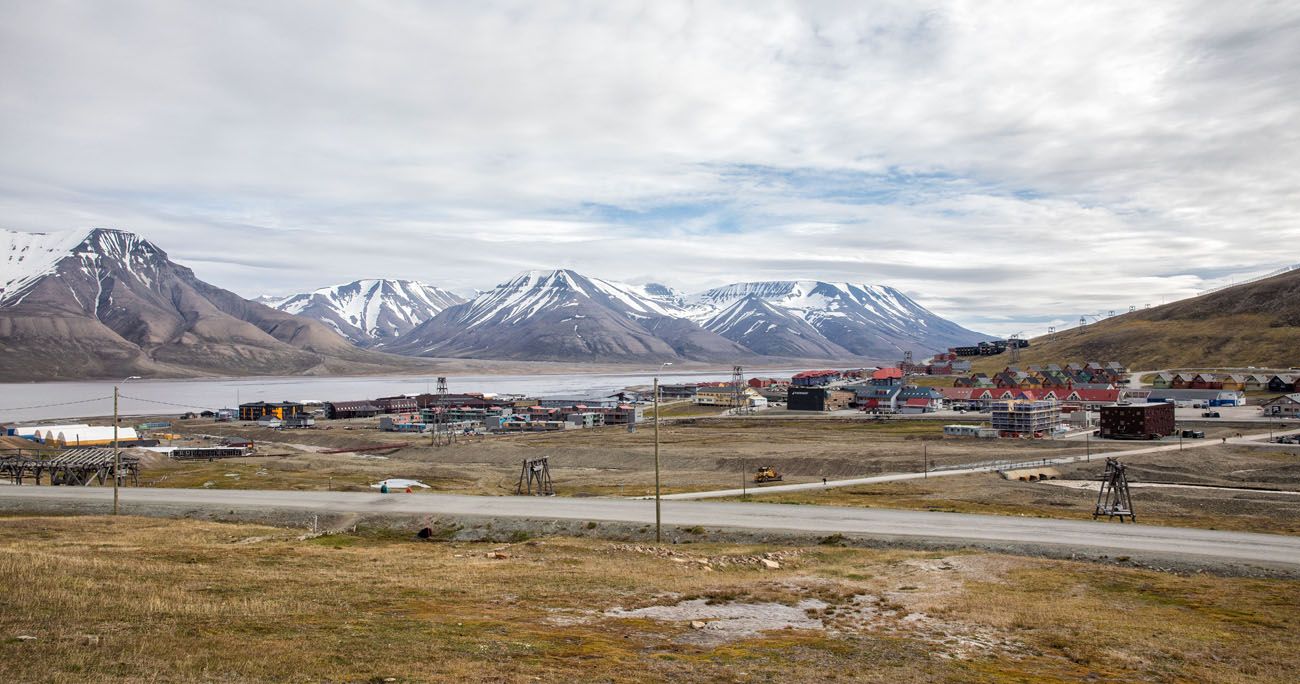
[[108, 303], [785, 319], [371, 309], [1252, 324]]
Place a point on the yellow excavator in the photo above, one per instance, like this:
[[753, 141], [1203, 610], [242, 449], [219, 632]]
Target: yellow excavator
[[766, 474]]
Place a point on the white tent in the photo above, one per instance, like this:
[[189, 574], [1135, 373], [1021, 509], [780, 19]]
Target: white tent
[[90, 436], [31, 430]]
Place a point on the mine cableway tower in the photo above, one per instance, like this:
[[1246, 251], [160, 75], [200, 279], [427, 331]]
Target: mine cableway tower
[[535, 478], [1114, 501]]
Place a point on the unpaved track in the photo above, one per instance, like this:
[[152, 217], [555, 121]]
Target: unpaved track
[[1223, 548], [1248, 440]]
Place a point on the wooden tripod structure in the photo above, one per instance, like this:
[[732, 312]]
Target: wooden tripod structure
[[1113, 500], [535, 474]]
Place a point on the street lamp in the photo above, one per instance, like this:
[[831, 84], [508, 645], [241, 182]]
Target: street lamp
[[117, 454], [658, 517]]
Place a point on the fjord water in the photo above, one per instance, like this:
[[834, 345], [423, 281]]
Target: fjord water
[[25, 402]]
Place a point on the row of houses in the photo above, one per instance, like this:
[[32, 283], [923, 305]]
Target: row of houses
[[1093, 375], [1244, 382]]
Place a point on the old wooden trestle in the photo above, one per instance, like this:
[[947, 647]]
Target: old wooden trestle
[[71, 467], [1114, 501]]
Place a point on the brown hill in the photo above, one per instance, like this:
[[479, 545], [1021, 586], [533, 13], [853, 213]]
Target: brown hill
[[114, 305], [1254, 324]]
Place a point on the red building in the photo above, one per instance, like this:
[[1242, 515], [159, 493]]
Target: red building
[[1137, 421]]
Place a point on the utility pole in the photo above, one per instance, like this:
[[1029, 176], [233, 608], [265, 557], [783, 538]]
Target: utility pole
[[117, 453], [925, 461], [1087, 437], [744, 483], [658, 504]]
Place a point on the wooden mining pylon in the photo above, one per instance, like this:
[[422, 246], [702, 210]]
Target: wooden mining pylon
[[535, 478], [1113, 500]]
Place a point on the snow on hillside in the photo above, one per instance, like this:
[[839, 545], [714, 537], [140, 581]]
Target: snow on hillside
[[369, 309], [533, 292], [26, 257]]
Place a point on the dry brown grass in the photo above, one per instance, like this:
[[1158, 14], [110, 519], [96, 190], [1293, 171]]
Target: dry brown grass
[[126, 600]]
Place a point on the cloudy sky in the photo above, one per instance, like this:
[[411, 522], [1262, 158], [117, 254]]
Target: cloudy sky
[[1010, 165]]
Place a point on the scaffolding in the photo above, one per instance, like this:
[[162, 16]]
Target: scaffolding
[[1025, 418]]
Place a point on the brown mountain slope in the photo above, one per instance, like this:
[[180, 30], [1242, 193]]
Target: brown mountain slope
[[1255, 324], [115, 305]]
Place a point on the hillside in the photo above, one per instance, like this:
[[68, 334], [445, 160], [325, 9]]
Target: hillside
[[1255, 324], [367, 311], [567, 316], [106, 303]]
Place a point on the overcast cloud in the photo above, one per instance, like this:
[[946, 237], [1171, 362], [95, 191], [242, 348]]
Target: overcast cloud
[[1010, 165]]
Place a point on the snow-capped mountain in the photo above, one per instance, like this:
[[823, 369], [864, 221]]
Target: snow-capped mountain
[[563, 315], [874, 321], [367, 311], [107, 303], [763, 328]]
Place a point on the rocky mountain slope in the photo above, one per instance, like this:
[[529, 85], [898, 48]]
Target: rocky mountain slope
[[564, 315], [1253, 324], [873, 321], [106, 303], [369, 311]]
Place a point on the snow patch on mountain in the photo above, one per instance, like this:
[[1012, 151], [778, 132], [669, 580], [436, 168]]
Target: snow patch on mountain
[[371, 309], [27, 257]]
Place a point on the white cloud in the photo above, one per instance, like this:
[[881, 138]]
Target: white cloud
[[1008, 164]]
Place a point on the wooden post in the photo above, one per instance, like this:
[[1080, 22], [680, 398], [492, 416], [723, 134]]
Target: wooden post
[[116, 453], [658, 515]]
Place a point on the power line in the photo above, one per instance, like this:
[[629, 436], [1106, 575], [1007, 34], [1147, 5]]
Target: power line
[[62, 403], [167, 403]]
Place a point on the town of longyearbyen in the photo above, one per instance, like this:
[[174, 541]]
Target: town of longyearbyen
[[675, 341]]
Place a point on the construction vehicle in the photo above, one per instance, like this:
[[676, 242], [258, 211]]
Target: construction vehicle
[[766, 474]]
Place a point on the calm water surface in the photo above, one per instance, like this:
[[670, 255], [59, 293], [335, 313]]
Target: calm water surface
[[43, 401]]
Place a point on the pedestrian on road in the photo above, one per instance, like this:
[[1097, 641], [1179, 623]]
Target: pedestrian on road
[[823, 482], [383, 488]]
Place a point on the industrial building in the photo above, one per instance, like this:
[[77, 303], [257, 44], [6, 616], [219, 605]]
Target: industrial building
[[818, 399], [969, 431], [1285, 406], [68, 437], [338, 410], [1137, 421], [255, 410], [1191, 397], [1025, 418]]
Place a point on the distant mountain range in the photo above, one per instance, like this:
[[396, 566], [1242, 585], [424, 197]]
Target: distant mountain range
[[107, 303], [368, 311], [564, 315]]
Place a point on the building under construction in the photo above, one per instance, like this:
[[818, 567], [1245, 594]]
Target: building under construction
[[1025, 418]]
